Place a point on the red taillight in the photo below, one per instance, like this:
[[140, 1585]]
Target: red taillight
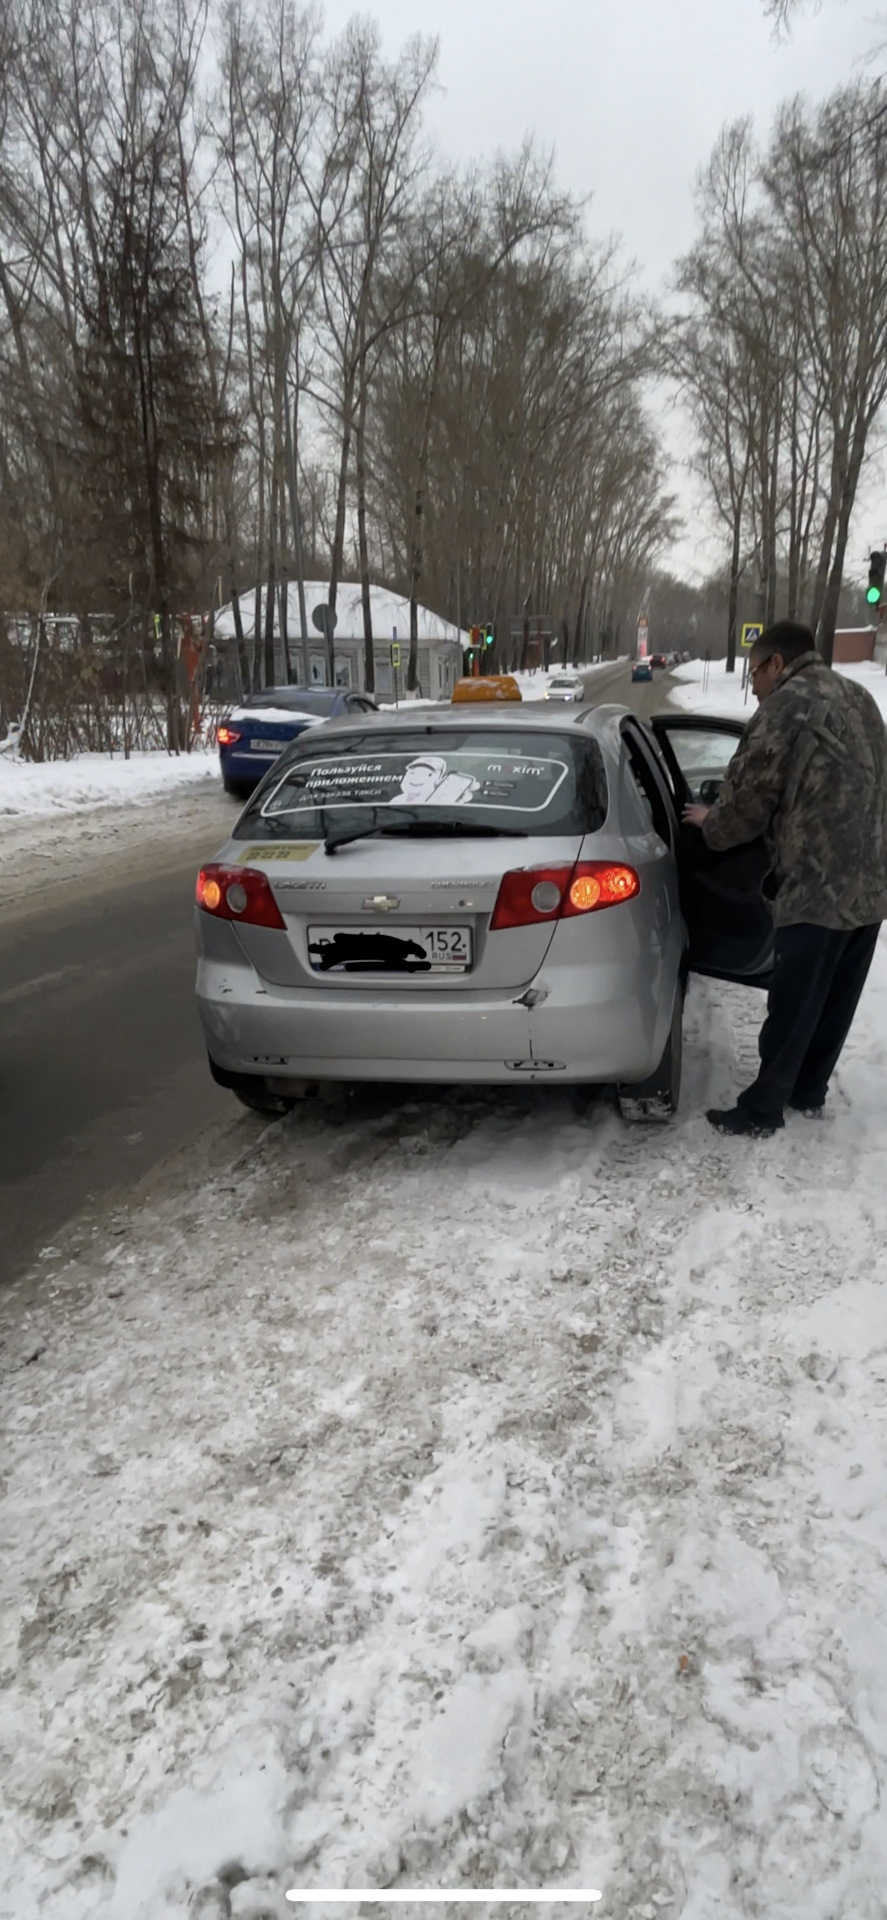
[[530, 895], [226, 736], [238, 893]]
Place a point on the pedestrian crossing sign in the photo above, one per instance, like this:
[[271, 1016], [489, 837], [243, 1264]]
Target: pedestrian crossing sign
[[750, 633]]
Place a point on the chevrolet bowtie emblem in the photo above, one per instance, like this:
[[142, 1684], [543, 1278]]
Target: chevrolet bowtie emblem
[[380, 903]]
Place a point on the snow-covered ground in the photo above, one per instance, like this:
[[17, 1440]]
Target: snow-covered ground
[[713, 690], [457, 1490], [461, 1490], [97, 780], [110, 839]]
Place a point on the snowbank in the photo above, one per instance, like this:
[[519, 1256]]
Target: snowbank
[[95, 780], [462, 1491], [724, 693]]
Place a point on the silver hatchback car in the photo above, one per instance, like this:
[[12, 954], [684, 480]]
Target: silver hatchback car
[[474, 894]]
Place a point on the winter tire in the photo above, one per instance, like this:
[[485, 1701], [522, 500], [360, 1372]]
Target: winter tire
[[259, 1100]]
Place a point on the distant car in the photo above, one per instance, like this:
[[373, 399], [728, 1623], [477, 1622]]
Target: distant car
[[255, 733], [565, 686], [642, 670], [658, 660], [475, 894]]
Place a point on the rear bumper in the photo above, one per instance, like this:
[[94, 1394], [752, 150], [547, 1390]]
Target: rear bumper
[[247, 768], [598, 1024]]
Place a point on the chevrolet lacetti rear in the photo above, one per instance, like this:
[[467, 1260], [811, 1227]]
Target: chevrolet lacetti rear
[[461, 895]]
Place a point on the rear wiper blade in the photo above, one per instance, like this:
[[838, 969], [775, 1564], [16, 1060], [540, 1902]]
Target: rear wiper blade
[[430, 829]]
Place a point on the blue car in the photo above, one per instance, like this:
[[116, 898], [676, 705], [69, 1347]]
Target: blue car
[[642, 670], [255, 733]]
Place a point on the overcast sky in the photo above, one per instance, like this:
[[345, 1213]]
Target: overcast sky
[[630, 93]]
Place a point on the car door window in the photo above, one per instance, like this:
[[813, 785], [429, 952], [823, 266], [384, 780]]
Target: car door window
[[702, 756], [651, 784]]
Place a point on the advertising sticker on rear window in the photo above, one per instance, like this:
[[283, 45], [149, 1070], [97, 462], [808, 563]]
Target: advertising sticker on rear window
[[463, 778]]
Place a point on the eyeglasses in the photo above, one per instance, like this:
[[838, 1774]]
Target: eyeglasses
[[753, 671]]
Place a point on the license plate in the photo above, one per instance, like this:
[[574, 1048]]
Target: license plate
[[267, 746], [389, 949]]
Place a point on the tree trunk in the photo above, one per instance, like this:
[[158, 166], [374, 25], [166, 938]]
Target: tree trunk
[[825, 559], [338, 547], [242, 660], [828, 619], [734, 592], [283, 622], [369, 665], [260, 549], [418, 542], [269, 666], [295, 516]]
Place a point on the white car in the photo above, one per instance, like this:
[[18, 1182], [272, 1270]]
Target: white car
[[565, 686]]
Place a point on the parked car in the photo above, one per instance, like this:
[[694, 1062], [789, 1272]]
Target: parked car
[[477, 895], [569, 687], [252, 737], [642, 670]]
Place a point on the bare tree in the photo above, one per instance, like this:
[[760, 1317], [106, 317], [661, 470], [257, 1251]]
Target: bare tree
[[829, 194], [362, 197]]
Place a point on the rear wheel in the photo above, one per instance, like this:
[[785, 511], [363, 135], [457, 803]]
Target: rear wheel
[[253, 1091], [656, 1099], [237, 789], [272, 1105]]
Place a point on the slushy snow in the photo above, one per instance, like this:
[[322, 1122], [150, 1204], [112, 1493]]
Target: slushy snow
[[459, 1489], [462, 1490]]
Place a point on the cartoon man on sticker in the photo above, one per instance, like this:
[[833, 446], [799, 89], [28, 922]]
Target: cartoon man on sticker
[[428, 780]]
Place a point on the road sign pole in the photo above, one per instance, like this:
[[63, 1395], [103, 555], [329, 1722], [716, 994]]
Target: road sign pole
[[395, 660]]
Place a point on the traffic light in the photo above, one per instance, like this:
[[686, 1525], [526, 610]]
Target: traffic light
[[473, 638], [489, 636], [877, 565]]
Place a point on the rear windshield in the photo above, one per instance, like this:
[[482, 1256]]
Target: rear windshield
[[301, 699], [535, 783]]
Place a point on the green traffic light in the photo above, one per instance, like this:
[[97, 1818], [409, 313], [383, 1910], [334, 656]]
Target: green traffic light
[[873, 596]]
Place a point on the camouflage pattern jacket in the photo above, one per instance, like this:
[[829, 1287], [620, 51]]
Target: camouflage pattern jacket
[[810, 776]]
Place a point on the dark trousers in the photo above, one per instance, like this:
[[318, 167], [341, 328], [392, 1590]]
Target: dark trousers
[[818, 976]]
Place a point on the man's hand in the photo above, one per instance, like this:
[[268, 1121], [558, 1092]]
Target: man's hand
[[694, 815]]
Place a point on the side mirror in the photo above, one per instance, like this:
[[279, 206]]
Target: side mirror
[[708, 792]]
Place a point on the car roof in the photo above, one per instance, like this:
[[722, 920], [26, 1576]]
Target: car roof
[[274, 696], [531, 716]]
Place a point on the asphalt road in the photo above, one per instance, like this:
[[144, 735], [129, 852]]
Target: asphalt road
[[102, 1068]]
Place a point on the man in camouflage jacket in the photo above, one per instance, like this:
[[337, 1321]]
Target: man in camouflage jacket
[[810, 778]]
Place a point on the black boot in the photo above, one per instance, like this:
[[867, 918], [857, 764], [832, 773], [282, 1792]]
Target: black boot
[[739, 1120]]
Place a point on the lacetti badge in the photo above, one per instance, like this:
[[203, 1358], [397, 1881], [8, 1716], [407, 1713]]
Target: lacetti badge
[[381, 903]]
